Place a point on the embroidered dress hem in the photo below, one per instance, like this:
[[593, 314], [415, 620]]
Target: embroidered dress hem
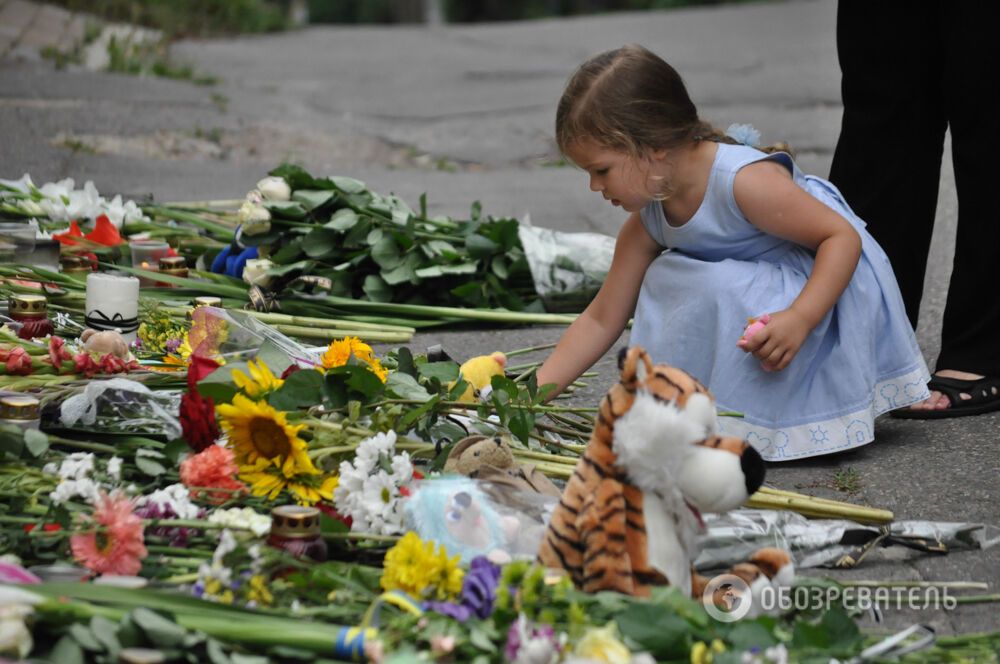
[[835, 434]]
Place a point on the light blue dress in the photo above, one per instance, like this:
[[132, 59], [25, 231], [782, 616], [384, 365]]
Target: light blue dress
[[859, 362]]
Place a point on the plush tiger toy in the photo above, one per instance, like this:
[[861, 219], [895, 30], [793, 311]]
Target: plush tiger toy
[[629, 516]]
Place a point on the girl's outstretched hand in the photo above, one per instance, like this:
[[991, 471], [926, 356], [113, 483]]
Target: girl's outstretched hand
[[777, 343]]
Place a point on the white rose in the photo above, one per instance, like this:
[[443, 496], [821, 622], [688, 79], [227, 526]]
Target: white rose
[[255, 272], [274, 189], [255, 219]]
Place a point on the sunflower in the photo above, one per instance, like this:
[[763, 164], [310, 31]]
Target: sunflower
[[340, 351], [259, 383], [269, 478], [258, 431]]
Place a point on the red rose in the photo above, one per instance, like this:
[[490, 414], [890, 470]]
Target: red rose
[[198, 425]]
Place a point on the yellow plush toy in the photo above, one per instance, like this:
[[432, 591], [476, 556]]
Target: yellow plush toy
[[478, 372]]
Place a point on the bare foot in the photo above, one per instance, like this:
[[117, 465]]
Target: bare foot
[[938, 401]]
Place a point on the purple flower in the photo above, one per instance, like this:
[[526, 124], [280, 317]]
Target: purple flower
[[178, 536], [479, 592], [172, 345]]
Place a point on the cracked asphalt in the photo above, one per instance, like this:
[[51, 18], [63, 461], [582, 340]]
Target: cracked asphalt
[[465, 113]]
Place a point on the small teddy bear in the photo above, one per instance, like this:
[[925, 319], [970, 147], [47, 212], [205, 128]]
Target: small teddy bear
[[471, 454], [103, 342]]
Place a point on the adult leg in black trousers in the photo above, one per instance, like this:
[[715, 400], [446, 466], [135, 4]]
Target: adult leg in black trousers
[[909, 71]]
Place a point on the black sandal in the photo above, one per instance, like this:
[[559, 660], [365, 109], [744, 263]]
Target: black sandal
[[985, 393]]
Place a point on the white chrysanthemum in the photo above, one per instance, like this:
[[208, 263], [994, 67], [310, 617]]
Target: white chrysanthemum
[[85, 488], [370, 449], [115, 468], [242, 518], [176, 497], [77, 466], [402, 468]]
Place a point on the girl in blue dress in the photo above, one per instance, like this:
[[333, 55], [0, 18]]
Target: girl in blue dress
[[746, 233]]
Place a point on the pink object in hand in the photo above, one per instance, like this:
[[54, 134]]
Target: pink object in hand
[[754, 325]]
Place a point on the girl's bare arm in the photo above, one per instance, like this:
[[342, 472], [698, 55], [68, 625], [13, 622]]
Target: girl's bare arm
[[593, 332]]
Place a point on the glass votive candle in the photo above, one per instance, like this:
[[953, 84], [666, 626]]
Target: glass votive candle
[[146, 255]]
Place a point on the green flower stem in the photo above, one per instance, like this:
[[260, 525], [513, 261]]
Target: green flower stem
[[529, 349], [361, 537], [542, 456], [438, 313], [575, 433], [467, 406], [222, 231], [82, 445], [180, 579], [189, 523], [17, 519], [331, 334], [177, 551], [953, 585], [310, 321]]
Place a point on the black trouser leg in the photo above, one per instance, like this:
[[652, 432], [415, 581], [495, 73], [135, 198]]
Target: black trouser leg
[[888, 158], [970, 338]]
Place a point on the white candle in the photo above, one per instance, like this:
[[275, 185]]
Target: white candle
[[113, 303]]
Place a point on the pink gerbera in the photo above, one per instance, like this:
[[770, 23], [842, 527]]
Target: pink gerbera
[[115, 546], [212, 468]]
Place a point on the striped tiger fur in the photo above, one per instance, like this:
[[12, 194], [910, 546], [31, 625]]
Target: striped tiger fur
[[598, 531]]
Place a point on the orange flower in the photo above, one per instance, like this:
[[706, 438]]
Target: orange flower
[[212, 468], [116, 544]]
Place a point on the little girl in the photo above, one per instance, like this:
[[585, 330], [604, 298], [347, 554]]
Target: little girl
[[748, 234]]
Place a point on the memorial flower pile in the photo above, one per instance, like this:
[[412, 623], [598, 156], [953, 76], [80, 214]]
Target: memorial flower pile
[[142, 497]]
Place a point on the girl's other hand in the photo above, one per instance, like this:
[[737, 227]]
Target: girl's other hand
[[777, 343]]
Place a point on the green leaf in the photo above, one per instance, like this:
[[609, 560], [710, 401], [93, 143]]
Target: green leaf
[[747, 635], [480, 247], [145, 460], [664, 635], [321, 242], [842, 631], [84, 637], [404, 362], [106, 632], [312, 198], [302, 389], [404, 273], [443, 371], [219, 384], [376, 289], [67, 651], [162, 632], [273, 357], [478, 638], [347, 185], [385, 252], [374, 236], [342, 220], [216, 653], [286, 209], [328, 524], [36, 442], [806, 635], [499, 267], [414, 414], [405, 386]]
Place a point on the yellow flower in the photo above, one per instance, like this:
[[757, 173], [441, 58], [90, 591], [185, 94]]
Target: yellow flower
[[258, 591], [259, 383], [340, 351], [414, 567], [702, 653], [602, 645], [258, 431]]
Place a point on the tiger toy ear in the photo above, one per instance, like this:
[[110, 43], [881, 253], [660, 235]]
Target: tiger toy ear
[[635, 365]]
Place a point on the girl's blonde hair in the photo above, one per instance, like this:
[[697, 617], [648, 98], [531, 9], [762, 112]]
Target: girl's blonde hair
[[630, 100]]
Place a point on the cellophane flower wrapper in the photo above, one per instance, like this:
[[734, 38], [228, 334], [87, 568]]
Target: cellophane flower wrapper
[[567, 268], [733, 537], [235, 336], [122, 405]]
